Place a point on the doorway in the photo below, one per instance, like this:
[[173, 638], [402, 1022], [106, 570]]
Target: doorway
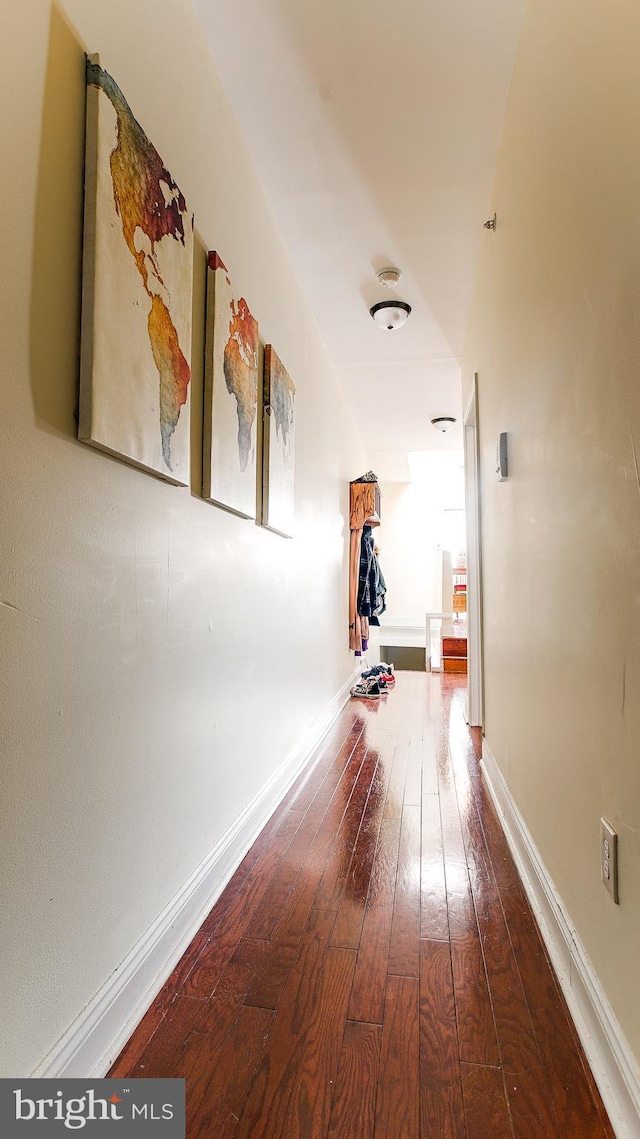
[[474, 704]]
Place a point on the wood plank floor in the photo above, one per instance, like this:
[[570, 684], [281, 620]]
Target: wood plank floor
[[373, 969]]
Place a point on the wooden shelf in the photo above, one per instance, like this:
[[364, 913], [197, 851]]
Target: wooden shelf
[[459, 576], [364, 510], [364, 506]]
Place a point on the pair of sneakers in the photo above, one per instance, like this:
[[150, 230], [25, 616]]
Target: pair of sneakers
[[380, 671], [374, 682], [371, 688]]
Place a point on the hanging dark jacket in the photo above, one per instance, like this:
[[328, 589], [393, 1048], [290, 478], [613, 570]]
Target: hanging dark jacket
[[371, 585]]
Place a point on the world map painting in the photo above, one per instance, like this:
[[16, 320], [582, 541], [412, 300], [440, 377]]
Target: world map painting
[[231, 395], [137, 292], [279, 445]]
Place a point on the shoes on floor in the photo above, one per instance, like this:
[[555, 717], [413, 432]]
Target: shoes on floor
[[377, 669], [381, 671], [369, 689]]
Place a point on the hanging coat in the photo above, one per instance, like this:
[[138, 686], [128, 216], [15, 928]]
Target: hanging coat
[[371, 584]]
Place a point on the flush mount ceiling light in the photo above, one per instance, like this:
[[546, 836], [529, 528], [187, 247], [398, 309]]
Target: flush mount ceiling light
[[443, 422], [389, 277], [390, 314]]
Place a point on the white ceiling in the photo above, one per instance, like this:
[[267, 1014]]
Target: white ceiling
[[374, 127]]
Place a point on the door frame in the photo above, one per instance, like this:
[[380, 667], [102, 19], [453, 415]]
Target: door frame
[[474, 709]]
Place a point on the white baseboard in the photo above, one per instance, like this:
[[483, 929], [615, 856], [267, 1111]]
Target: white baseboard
[[612, 1062], [94, 1039]]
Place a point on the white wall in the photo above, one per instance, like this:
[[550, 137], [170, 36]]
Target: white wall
[[409, 551], [554, 339], [160, 657], [417, 524]]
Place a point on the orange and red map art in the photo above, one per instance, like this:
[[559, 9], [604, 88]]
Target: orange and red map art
[[231, 390], [156, 231]]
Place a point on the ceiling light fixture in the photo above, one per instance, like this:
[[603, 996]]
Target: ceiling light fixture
[[390, 314], [389, 277], [443, 422]]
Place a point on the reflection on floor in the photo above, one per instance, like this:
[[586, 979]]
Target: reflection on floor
[[373, 968]]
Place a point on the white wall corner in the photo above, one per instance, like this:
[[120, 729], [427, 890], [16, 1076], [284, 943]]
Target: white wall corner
[[95, 1038], [612, 1062]]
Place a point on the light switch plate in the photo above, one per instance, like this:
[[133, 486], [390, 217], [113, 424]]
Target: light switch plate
[[502, 461], [609, 858]]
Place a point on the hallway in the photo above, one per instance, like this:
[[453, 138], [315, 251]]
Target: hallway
[[373, 967]]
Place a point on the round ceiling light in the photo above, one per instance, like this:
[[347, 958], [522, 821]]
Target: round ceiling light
[[443, 422], [390, 314]]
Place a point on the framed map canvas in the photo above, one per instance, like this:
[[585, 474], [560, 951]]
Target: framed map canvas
[[278, 445], [136, 292], [231, 396]]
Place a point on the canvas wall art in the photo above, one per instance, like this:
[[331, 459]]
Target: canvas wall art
[[137, 292], [231, 396], [278, 445]]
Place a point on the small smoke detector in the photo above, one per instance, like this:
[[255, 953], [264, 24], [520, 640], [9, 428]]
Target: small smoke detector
[[443, 422], [389, 277]]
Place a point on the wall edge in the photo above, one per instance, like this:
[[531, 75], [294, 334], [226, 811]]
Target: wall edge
[[612, 1062], [97, 1035]]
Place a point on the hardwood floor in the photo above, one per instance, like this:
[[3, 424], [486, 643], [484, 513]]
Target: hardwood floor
[[373, 969]]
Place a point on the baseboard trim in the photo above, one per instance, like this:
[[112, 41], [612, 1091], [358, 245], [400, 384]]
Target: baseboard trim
[[94, 1039], [614, 1066]]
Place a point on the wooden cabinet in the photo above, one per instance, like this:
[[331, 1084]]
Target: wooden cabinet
[[454, 653], [454, 636]]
